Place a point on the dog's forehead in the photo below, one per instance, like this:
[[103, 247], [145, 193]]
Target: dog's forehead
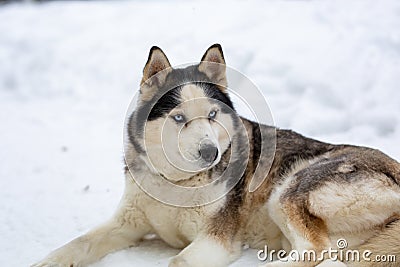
[[189, 74], [191, 92], [194, 100]]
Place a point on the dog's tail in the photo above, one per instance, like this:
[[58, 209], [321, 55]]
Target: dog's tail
[[384, 248]]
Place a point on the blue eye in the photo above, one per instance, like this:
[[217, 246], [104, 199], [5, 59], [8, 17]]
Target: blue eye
[[212, 114], [179, 118]]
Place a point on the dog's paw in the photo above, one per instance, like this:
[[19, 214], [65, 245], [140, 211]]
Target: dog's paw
[[331, 263], [55, 262], [276, 264], [178, 261], [50, 264]]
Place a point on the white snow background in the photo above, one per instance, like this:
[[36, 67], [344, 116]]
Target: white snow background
[[68, 70]]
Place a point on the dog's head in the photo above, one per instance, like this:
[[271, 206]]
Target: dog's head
[[184, 116]]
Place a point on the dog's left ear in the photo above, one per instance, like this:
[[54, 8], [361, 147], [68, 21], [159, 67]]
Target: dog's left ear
[[213, 65], [155, 72]]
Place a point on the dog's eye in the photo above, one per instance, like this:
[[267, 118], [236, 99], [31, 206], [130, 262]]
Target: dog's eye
[[179, 118], [212, 114]]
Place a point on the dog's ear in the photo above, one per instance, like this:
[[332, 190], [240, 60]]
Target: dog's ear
[[155, 71], [213, 65]]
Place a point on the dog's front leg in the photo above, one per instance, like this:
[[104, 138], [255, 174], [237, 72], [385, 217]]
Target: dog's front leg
[[94, 245], [125, 229], [220, 241], [207, 250]]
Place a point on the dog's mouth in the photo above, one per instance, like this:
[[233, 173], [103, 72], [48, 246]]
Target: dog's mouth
[[204, 159]]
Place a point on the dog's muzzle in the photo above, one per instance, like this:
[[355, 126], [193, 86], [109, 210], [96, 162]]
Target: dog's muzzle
[[208, 152]]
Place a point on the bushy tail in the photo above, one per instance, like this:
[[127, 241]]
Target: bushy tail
[[385, 245]]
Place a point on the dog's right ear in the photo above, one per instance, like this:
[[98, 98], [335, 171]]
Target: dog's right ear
[[155, 72], [213, 65]]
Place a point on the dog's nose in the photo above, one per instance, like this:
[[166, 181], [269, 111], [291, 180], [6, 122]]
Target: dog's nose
[[208, 152]]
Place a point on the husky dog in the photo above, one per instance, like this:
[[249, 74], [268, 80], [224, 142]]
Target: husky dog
[[313, 194]]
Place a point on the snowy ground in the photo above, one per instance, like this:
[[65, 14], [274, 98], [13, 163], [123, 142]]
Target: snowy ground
[[328, 69]]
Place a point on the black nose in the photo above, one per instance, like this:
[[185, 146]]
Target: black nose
[[208, 152]]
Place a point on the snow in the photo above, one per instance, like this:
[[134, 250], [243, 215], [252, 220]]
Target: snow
[[328, 69]]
